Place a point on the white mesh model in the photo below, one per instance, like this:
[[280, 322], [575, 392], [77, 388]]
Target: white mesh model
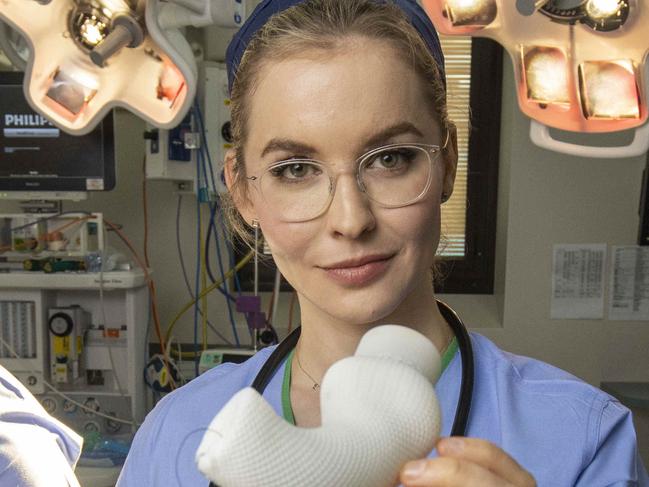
[[378, 409]]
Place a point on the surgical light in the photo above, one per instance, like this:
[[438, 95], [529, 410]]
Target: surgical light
[[603, 9], [470, 12], [578, 64], [67, 93], [88, 56], [546, 75], [598, 80]]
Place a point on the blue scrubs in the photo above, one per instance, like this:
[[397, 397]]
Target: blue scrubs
[[564, 431], [36, 450]]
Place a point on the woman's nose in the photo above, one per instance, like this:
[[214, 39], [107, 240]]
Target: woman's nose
[[350, 213]]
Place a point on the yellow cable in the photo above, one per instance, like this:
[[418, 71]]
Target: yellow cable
[[206, 291]]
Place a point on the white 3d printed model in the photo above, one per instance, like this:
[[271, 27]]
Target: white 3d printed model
[[379, 411]]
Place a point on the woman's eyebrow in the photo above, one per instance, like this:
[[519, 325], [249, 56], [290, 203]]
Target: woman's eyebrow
[[385, 134], [287, 145]]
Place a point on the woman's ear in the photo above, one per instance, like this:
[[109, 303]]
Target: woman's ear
[[237, 187], [449, 154]]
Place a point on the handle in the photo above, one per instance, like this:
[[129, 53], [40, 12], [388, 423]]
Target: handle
[[540, 135]]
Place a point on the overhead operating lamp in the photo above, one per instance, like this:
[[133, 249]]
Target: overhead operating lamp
[[88, 56], [579, 64]]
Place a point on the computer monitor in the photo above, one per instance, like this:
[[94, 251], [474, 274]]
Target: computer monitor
[[40, 161]]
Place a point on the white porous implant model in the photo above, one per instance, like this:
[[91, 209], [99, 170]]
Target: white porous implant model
[[379, 411]]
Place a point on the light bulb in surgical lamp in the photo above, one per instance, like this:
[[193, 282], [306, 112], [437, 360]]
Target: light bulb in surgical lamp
[[609, 90], [546, 75], [602, 9], [92, 32], [89, 26], [470, 12], [68, 93]]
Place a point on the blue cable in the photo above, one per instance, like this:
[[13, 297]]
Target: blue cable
[[213, 208], [198, 264], [204, 146], [237, 283], [204, 151], [218, 251], [208, 265]]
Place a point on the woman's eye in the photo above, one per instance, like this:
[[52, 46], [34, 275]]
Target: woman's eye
[[295, 171], [392, 159]]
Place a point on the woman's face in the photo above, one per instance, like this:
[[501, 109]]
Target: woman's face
[[357, 262]]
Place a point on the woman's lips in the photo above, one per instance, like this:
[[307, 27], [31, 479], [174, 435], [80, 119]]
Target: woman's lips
[[358, 275]]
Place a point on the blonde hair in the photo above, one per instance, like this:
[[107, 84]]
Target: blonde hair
[[322, 25]]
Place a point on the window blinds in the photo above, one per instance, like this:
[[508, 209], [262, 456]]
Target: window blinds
[[457, 52]]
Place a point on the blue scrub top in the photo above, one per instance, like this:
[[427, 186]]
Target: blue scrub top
[[564, 431], [36, 450]]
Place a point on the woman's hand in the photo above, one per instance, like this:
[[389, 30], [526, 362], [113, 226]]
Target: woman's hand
[[466, 462]]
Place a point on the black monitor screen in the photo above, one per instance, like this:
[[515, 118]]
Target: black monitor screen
[[35, 155]]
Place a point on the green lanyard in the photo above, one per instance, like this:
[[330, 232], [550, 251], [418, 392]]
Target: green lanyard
[[287, 410]]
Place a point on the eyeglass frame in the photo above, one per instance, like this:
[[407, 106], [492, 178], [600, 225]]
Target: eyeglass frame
[[333, 178]]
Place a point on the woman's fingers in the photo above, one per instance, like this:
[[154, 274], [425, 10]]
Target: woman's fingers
[[488, 456], [466, 462], [449, 472]]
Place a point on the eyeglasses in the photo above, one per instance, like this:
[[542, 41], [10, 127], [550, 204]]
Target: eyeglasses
[[392, 176]]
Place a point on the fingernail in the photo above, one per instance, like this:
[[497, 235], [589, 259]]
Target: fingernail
[[412, 470], [452, 445]]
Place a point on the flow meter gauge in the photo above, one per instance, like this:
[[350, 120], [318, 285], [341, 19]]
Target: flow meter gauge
[[91, 405], [49, 404], [61, 324], [69, 407], [112, 426]]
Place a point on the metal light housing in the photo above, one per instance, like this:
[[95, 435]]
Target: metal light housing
[[578, 63]]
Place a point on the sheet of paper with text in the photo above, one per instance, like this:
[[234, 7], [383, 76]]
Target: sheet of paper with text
[[578, 281]]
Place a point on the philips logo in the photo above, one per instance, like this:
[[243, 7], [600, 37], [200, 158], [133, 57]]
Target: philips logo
[[25, 120]]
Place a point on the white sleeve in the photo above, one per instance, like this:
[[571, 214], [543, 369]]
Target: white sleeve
[[36, 450]]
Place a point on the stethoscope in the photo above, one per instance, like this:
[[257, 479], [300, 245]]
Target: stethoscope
[[279, 355]]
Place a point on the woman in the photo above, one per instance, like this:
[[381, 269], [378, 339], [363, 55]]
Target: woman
[[343, 155]]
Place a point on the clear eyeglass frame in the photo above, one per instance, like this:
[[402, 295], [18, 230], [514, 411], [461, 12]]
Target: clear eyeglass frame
[[432, 152]]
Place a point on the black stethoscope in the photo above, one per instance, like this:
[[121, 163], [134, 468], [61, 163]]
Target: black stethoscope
[[463, 408]]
